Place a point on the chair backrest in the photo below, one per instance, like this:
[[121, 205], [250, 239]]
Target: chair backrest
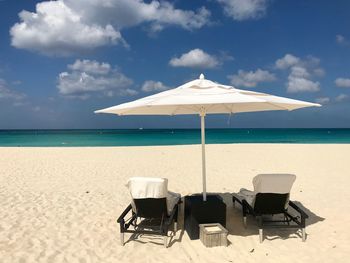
[[149, 196], [150, 207], [272, 192]]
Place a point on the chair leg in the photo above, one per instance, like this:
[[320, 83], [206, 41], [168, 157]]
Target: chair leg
[[165, 241], [175, 227], [261, 235], [245, 221], [303, 234], [122, 238], [245, 212]]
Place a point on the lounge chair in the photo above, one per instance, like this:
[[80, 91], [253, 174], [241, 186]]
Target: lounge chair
[[152, 210], [271, 197]]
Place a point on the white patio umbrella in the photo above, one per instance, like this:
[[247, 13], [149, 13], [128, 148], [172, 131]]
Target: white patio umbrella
[[202, 97]]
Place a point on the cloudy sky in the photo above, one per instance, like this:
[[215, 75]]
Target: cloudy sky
[[61, 60]]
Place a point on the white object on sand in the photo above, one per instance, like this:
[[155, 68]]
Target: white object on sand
[[268, 183], [152, 187]]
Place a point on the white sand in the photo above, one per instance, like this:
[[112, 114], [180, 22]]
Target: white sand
[[61, 204]]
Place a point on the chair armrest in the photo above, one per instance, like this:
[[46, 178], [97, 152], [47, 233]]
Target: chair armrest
[[236, 198], [126, 211], [172, 214], [298, 209], [246, 207]]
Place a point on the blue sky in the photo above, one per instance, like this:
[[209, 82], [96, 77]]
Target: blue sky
[[61, 60]]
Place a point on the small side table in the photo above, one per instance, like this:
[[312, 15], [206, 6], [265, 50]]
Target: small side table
[[198, 212], [213, 235]]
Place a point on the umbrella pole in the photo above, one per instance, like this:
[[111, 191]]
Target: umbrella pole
[[203, 156]]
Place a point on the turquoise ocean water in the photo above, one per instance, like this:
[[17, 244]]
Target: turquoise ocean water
[[67, 138]]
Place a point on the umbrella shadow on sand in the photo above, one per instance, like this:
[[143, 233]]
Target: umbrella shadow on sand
[[234, 221], [173, 237], [234, 225], [181, 225]]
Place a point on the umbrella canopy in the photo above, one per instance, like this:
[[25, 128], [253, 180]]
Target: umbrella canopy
[[202, 96]]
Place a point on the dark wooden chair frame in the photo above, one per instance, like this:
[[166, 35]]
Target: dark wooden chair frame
[[152, 210], [272, 204]]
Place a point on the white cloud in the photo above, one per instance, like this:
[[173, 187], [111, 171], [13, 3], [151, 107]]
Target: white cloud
[[7, 93], [244, 9], [55, 29], [19, 103], [151, 86], [79, 83], [250, 79], [319, 72], [128, 13], [195, 58], [341, 97], [301, 72], [340, 39], [16, 82], [323, 100], [342, 82], [36, 108], [64, 27], [225, 56], [287, 61], [298, 81], [90, 66]]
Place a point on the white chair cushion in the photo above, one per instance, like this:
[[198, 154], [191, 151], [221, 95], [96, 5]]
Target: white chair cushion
[[273, 183], [268, 183], [148, 187], [152, 187]]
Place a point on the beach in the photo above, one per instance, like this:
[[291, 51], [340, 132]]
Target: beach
[[61, 204]]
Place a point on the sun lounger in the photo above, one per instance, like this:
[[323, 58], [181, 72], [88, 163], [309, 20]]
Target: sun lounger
[[271, 197], [152, 210]]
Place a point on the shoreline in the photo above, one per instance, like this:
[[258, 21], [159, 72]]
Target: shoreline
[[170, 145]]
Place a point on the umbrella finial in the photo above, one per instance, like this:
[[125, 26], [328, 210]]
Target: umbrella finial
[[201, 76]]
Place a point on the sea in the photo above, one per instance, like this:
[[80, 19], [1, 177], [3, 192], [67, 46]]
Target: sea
[[148, 137]]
